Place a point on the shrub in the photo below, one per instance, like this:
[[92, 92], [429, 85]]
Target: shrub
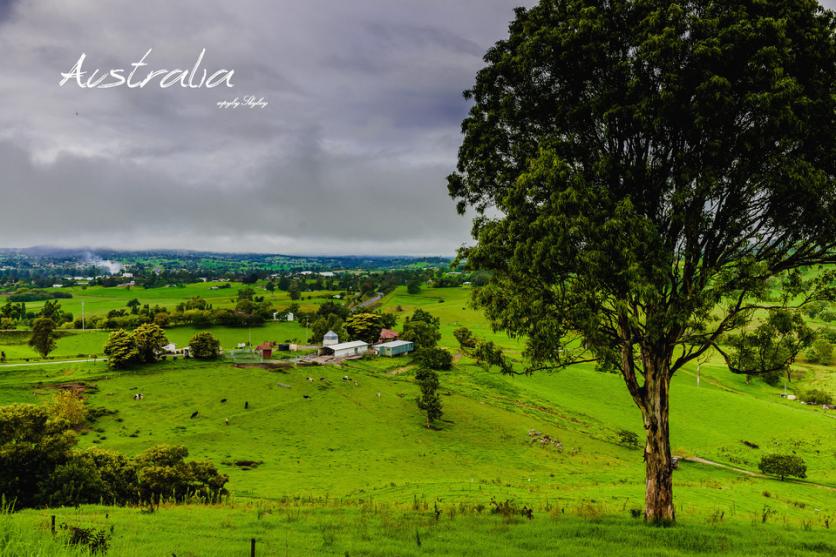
[[783, 465], [627, 438], [817, 396]]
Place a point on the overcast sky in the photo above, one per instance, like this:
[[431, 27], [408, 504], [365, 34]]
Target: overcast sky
[[349, 156]]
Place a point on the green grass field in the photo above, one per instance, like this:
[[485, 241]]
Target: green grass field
[[352, 470], [98, 300]]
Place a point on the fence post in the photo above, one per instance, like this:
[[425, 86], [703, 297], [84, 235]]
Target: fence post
[[252, 547], [52, 525]]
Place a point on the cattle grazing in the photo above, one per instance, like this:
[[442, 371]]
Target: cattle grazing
[[246, 405], [223, 400], [305, 396], [194, 414]]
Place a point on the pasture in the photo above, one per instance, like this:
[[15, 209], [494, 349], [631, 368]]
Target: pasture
[[323, 464]]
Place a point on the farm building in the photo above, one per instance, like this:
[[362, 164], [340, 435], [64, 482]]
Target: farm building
[[353, 348], [387, 335], [265, 349], [395, 348], [330, 339], [171, 348]]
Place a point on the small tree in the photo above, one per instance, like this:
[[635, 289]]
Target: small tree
[[783, 465], [429, 401], [120, 350], [66, 405], [149, 339], [465, 338], [204, 346], [434, 358], [43, 336]]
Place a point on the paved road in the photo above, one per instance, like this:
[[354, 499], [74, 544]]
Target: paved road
[[371, 301]]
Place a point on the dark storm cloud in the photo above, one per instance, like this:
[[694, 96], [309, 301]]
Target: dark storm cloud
[[6, 9], [350, 156]]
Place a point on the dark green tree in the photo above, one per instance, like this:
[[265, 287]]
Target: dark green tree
[[52, 310], [465, 338], [434, 358], [204, 346], [43, 336], [422, 328], [134, 304], [429, 400], [149, 340], [120, 349], [32, 444], [646, 175], [783, 465]]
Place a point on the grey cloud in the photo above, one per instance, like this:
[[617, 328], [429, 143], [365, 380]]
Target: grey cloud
[[350, 156]]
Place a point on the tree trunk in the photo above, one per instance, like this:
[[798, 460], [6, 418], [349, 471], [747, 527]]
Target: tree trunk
[[658, 507]]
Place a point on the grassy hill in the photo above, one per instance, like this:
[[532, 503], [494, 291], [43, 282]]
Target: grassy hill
[[351, 469]]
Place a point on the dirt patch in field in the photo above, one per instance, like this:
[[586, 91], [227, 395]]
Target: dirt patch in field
[[277, 366], [398, 371], [77, 389]]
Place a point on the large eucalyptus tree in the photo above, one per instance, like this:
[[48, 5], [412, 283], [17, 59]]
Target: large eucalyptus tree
[[647, 175]]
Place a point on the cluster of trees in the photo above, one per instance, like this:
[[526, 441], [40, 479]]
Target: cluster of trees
[[13, 313], [36, 295], [361, 324], [40, 466], [142, 345]]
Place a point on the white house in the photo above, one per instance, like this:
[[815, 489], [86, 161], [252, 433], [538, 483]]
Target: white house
[[290, 316], [345, 349]]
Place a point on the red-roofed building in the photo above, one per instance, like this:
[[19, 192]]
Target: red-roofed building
[[387, 335], [265, 349]]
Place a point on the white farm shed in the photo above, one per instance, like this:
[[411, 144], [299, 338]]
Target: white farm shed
[[344, 349]]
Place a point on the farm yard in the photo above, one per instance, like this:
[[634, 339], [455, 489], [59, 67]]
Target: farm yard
[[335, 459]]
